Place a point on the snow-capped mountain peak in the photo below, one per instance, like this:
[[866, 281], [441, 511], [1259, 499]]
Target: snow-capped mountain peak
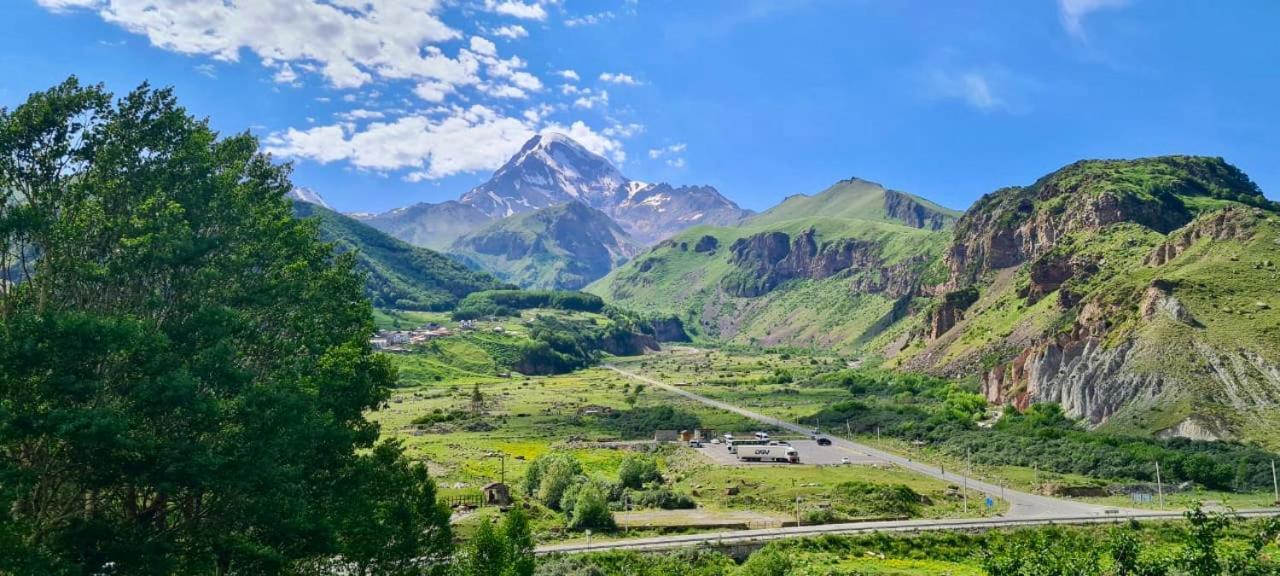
[[304, 194], [549, 169]]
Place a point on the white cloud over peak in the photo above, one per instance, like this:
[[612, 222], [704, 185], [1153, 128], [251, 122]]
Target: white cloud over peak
[[568, 75], [673, 149], [591, 140], [1073, 13], [618, 78], [434, 144], [590, 99]]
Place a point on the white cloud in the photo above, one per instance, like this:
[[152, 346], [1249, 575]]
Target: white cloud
[[1073, 13], [481, 45], [360, 114], [590, 99], [433, 90], [207, 70], [673, 154], [619, 130], [467, 140], [432, 146], [590, 19], [987, 88], [591, 140], [621, 79], [517, 9], [513, 32], [349, 42], [286, 75], [673, 149], [568, 75]]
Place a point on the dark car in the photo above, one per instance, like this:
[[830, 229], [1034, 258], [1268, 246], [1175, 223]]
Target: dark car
[[824, 441]]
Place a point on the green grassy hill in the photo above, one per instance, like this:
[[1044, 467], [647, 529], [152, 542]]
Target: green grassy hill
[[398, 275], [833, 270], [563, 247], [1140, 295], [1137, 294]]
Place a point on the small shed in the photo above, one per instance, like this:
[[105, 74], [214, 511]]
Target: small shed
[[497, 494], [666, 435]]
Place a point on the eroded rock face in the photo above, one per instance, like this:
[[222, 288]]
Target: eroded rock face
[[905, 208], [1234, 224], [768, 259]]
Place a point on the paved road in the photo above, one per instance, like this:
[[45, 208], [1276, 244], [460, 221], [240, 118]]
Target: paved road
[[747, 536], [1021, 504]]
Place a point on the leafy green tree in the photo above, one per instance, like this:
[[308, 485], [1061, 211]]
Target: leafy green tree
[[520, 545], [184, 368], [635, 471], [548, 476], [766, 562], [591, 509], [486, 553]]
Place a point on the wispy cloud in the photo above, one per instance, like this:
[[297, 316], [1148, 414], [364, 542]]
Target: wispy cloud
[[1073, 13], [620, 79]]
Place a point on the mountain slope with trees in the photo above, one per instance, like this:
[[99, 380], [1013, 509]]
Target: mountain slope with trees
[[397, 275]]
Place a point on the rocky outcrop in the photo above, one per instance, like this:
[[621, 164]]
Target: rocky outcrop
[[1014, 225], [768, 259], [1232, 224], [949, 311], [1049, 272], [913, 213], [1159, 301]]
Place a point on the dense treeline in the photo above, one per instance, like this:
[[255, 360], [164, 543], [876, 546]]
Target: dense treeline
[[185, 368], [397, 274], [944, 414], [510, 302]]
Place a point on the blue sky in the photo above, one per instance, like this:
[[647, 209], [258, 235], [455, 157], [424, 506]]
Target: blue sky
[[381, 103]]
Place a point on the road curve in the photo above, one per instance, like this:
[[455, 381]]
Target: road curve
[[1021, 504]]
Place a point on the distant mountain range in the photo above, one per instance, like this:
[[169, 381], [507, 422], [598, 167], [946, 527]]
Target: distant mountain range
[[549, 172]]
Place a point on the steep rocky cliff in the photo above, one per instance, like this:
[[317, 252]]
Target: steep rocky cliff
[[1136, 294]]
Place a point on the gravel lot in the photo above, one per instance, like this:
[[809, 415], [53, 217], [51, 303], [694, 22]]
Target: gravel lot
[[810, 453]]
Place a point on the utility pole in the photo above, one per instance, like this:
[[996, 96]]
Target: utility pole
[[797, 510], [968, 469], [877, 433], [847, 431], [1274, 484], [1159, 486]]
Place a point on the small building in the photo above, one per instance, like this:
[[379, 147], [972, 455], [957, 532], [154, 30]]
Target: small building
[[496, 494], [666, 435]]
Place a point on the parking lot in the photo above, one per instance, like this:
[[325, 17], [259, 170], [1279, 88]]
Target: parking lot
[[809, 450]]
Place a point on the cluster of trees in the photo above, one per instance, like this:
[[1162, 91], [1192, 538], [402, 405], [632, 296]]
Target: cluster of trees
[[184, 366], [505, 550], [1044, 436], [557, 480], [642, 421], [943, 413], [510, 302]]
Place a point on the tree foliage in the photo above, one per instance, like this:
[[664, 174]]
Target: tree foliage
[[184, 367]]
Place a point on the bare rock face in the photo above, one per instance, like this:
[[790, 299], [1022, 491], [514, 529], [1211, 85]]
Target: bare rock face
[[1159, 301], [768, 259], [910, 211]]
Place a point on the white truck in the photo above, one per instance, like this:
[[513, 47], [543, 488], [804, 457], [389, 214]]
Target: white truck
[[765, 453]]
